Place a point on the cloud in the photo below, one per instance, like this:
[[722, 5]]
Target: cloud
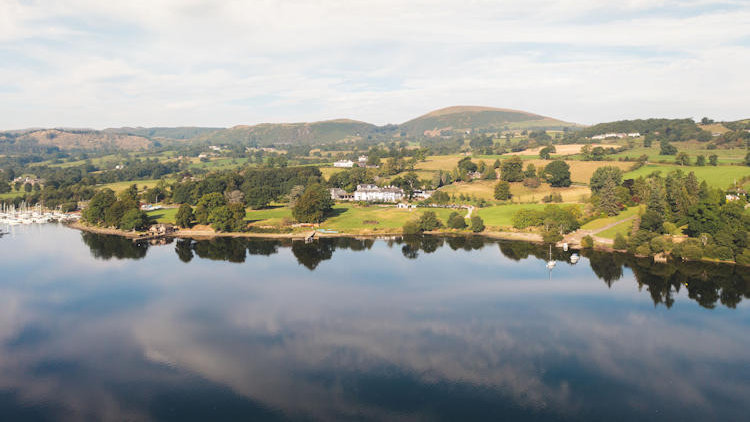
[[97, 64]]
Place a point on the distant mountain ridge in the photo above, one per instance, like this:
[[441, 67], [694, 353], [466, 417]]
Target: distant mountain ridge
[[443, 122]]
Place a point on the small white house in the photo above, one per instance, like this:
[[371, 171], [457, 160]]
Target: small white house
[[344, 164]]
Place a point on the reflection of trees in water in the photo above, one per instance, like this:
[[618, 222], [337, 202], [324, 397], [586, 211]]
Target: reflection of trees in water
[[107, 246], [707, 284], [230, 249], [184, 249], [311, 254], [606, 266]]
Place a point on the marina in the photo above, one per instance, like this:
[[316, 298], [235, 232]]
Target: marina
[[25, 215]]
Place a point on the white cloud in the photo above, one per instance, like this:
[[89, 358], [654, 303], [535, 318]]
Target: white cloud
[[97, 64]]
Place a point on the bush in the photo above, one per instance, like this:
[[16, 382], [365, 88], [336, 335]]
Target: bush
[[429, 221], [456, 221], [552, 197], [643, 249], [502, 190], [587, 242], [411, 227], [477, 224], [134, 219], [744, 258], [527, 218], [532, 182], [184, 217], [692, 252], [658, 244], [620, 242], [669, 228]]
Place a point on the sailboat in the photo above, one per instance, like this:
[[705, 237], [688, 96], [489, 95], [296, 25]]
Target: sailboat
[[550, 262]]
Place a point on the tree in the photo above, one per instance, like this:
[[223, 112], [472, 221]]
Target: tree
[[184, 217], [747, 159], [4, 187], [587, 242], [602, 175], [700, 160], [130, 193], [429, 221], [221, 219], [608, 202], [440, 197], [620, 242], [313, 205], [477, 224], [456, 221], [502, 190], [206, 204], [134, 219], [557, 173], [667, 148], [511, 169], [546, 152], [530, 171], [713, 159], [98, 206], [682, 159]]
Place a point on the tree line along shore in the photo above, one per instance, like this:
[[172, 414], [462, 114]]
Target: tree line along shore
[[664, 188]]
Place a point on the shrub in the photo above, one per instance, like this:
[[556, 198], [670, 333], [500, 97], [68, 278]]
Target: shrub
[[670, 228], [429, 221], [744, 257], [620, 242], [411, 227], [587, 242], [532, 182], [643, 249], [527, 218], [456, 221], [658, 244], [552, 197], [502, 190], [477, 224]]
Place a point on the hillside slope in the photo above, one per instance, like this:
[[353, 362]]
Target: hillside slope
[[76, 139], [474, 118], [292, 133]]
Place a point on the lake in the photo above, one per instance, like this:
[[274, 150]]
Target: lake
[[98, 328]]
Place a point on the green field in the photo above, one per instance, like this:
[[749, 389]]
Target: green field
[[501, 215], [164, 215], [623, 228], [348, 217], [121, 186], [691, 148], [719, 176], [603, 222]]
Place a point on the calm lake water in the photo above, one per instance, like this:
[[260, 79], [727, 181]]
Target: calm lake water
[[97, 328]]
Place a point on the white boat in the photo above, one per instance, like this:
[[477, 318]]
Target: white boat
[[574, 258], [550, 262]]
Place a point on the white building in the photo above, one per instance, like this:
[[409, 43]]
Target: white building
[[344, 163], [423, 194], [373, 193], [362, 160]]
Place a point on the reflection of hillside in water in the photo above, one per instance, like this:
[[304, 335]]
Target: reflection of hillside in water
[[708, 284]]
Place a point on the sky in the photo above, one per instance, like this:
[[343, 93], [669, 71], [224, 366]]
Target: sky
[[93, 63]]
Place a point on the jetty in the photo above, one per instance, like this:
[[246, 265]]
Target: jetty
[[11, 215]]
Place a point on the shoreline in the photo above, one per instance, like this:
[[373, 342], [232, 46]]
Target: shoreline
[[210, 234]]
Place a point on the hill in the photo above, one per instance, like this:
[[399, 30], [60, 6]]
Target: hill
[[184, 132], [292, 133], [460, 119], [71, 139]]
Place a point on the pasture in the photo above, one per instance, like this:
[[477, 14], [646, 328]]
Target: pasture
[[719, 176]]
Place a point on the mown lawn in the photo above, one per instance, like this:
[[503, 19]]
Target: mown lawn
[[623, 228], [501, 215], [603, 222], [348, 217], [718, 176], [272, 216], [164, 215]]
